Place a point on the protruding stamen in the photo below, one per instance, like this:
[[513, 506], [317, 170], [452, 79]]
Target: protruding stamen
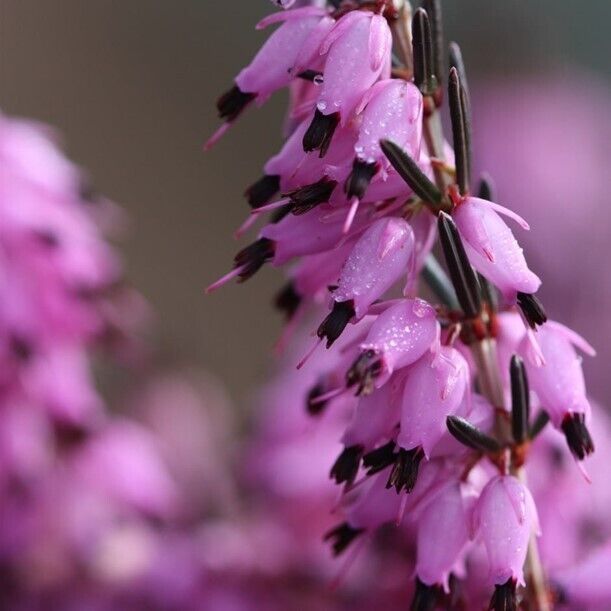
[[424, 63], [520, 400], [305, 198], [234, 273], [532, 308], [405, 470], [462, 274], [231, 104], [309, 353], [469, 435], [320, 132], [504, 597], [577, 435], [216, 136], [360, 177], [262, 191], [337, 320], [425, 597], [354, 207], [252, 258], [342, 536], [460, 131], [288, 300], [409, 171], [377, 460], [281, 203], [365, 369], [346, 466]]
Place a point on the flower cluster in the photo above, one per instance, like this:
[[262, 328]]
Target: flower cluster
[[440, 394], [77, 486]]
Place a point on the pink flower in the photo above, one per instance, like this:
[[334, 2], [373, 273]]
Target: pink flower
[[358, 48], [435, 388], [492, 249], [504, 519], [442, 536]]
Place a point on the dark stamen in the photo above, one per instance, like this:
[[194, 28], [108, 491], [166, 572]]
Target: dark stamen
[[409, 171], [462, 274], [231, 104], [539, 423], [347, 464], [504, 597], [405, 470], [314, 407], [460, 131], [262, 191], [335, 323], [342, 536], [306, 198], [320, 132], [377, 460], [469, 435], [288, 300], [577, 435], [252, 258], [424, 64], [532, 308], [425, 597], [365, 369], [520, 400], [360, 177]]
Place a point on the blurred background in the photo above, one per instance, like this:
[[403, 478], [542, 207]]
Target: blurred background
[[132, 85]]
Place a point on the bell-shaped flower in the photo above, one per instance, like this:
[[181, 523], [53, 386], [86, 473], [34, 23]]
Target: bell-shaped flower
[[295, 42], [435, 388], [358, 52], [442, 536], [492, 248], [381, 255], [504, 519], [559, 383], [392, 111], [400, 335]]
